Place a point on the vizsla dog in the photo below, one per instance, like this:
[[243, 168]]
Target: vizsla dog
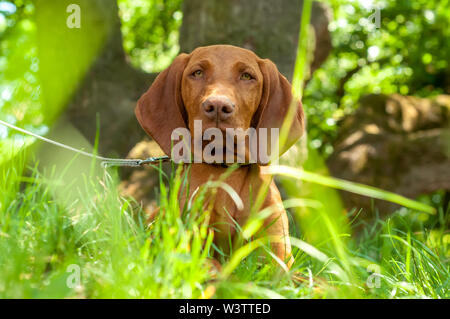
[[225, 87]]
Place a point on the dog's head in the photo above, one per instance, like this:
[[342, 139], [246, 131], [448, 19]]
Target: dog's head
[[224, 87]]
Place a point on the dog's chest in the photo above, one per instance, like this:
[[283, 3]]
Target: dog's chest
[[242, 181]]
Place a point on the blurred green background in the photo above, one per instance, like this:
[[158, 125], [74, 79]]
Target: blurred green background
[[79, 86]]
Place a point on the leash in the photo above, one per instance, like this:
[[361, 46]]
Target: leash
[[105, 161]]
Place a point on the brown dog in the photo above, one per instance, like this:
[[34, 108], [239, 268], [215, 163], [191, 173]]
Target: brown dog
[[224, 87]]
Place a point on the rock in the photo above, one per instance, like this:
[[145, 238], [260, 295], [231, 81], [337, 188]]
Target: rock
[[141, 183], [397, 143]]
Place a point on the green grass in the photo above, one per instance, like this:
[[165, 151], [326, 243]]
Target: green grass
[[119, 256]]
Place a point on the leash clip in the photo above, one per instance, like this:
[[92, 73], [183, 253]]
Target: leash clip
[[134, 162]]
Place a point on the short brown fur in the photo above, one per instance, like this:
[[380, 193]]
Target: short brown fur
[[260, 100]]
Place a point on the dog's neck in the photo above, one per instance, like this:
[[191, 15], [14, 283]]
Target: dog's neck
[[215, 171]]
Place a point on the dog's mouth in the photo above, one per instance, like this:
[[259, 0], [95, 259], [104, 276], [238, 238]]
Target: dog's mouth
[[224, 150], [222, 126], [220, 144], [217, 147]]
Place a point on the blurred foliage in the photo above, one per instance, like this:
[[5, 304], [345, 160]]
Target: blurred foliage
[[408, 54], [150, 32], [19, 85]]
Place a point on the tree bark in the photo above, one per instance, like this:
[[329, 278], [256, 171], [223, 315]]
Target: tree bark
[[267, 28], [111, 89]]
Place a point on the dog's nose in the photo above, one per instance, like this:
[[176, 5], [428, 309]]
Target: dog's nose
[[220, 107]]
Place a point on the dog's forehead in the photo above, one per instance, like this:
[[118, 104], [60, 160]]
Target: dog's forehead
[[224, 54]]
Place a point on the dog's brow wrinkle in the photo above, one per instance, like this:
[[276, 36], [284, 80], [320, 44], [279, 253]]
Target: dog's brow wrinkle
[[203, 62]]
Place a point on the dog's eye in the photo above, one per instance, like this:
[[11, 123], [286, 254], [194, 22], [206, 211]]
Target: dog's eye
[[246, 76], [197, 73]]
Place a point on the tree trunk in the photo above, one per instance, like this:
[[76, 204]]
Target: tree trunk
[[111, 89], [84, 72], [269, 29]]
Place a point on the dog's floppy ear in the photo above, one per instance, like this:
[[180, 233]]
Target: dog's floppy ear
[[160, 110], [275, 102]]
